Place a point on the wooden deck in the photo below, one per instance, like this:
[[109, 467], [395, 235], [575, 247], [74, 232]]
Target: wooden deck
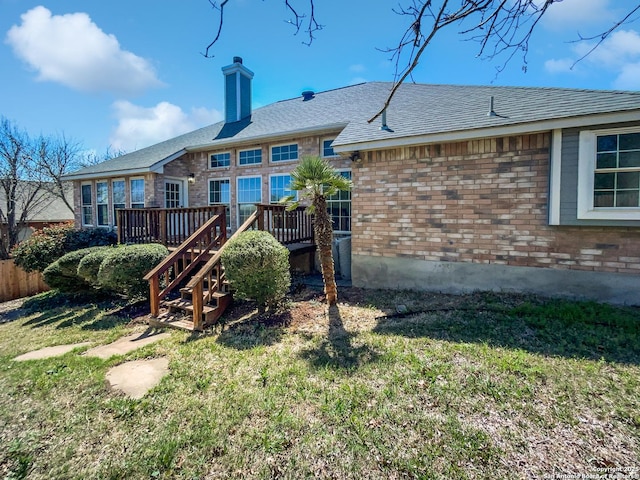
[[188, 290]]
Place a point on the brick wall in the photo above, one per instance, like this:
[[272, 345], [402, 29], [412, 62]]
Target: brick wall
[[482, 201], [198, 163]]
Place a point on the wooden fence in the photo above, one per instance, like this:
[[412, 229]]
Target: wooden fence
[[16, 283]]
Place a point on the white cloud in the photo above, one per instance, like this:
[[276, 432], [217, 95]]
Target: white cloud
[[576, 14], [562, 65], [72, 50], [139, 127], [357, 68], [629, 77], [619, 54]]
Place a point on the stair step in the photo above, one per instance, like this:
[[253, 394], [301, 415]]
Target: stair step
[[187, 306], [171, 320]]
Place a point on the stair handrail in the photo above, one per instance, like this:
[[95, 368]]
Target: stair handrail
[[153, 277], [196, 284]]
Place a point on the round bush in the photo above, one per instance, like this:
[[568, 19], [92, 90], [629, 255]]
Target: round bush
[[42, 248], [257, 267], [50, 243], [89, 266], [63, 273], [123, 270]]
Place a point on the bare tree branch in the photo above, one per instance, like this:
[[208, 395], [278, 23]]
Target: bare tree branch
[[502, 28], [299, 20], [221, 8], [604, 35]]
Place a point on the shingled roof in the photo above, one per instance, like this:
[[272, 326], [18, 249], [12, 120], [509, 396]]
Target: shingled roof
[[418, 113]]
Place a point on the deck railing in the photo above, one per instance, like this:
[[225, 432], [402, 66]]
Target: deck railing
[[288, 227], [169, 226], [180, 263]]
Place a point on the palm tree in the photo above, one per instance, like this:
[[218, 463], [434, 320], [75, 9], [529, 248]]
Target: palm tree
[[315, 180]]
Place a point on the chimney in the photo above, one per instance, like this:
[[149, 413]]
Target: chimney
[[237, 91]]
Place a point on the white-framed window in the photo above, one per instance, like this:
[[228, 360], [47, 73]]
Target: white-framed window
[[137, 192], [87, 204], [339, 207], [327, 149], [250, 157], [102, 203], [220, 194], [249, 192], [279, 187], [284, 153], [118, 197], [218, 160], [609, 174]]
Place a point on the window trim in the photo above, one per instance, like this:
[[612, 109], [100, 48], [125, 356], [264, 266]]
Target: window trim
[[271, 160], [228, 205], [327, 139], [113, 201], [345, 232], [243, 177], [249, 150], [220, 153], [85, 205], [271, 176], [98, 205], [144, 188], [587, 147]]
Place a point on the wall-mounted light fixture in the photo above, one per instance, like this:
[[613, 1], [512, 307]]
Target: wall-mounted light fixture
[[355, 157], [192, 178]]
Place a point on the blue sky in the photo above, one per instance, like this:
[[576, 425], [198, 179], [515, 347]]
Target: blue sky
[[127, 74]]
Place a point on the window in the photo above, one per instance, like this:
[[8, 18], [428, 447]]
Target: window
[[137, 193], [118, 197], [609, 175], [220, 160], [87, 209], [102, 203], [279, 188], [339, 207], [249, 193], [327, 149], [220, 194], [250, 157], [282, 153], [617, 172], [172, 194]]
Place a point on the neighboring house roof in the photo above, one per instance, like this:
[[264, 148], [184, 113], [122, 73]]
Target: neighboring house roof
[[48, 208], [418, 113]]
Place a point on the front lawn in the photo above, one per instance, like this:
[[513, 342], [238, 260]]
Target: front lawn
[[477, 386]]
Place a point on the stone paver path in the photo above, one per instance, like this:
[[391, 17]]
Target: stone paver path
[[126, 344], [49, 352], [136, 378]]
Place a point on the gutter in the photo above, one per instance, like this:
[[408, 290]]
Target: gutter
[[487, 132], [156, 167], [329, 128]]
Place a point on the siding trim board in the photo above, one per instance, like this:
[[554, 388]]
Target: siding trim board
[[567, 190]]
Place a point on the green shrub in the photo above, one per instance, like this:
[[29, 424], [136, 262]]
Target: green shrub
[[257, 266], [123, 270], [50, 243], [89, 265], [43, 247], [90, 237], [62, 274]]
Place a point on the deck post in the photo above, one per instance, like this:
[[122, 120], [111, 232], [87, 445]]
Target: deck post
[[260, 210], [154, 290], [197, 302]]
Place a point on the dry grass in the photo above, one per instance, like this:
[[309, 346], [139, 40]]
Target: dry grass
[[476, 386]]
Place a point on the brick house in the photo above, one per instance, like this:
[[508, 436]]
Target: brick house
[[458, 188]]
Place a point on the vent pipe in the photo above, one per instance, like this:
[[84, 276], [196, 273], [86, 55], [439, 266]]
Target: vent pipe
[[384, 125], [308, 95], [492, 112]]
